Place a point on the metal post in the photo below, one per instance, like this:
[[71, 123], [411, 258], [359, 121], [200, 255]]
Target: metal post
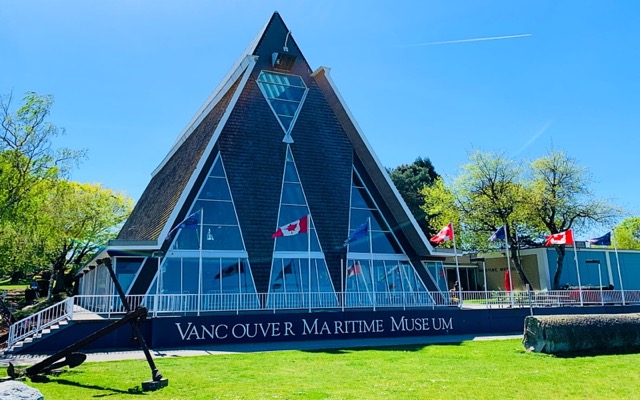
[[615, 248], [484, 273], [599, 277]]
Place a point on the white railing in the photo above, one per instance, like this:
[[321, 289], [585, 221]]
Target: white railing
[[108, 307], [36, 323]]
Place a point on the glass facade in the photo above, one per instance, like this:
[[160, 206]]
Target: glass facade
[[378, 273], [299, 275], [207, 264]]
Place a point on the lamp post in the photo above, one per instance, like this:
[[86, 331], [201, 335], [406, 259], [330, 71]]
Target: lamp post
[[599, 277], [484, 273]]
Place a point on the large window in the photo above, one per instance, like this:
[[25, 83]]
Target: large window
[[299, 275], [219, 225], [378, 273], [207, 266]]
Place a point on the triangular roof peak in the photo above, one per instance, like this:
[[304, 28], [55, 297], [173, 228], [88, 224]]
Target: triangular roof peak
[[274, 36]]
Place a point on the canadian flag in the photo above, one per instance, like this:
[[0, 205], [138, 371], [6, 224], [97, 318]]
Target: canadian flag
[[565, 237], [293, 228], [445, 233]]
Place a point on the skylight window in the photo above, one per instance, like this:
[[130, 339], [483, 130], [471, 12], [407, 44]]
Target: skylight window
[[285, 94]]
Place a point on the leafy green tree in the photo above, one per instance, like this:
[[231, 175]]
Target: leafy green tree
[[486, 195], [627, 234], [27, 157], [410, 180], [559, 198], [80, 219]]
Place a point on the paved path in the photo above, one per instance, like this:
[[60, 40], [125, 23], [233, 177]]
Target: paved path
[[114, 355]]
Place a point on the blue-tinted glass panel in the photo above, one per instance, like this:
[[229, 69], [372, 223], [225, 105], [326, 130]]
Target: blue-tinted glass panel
[[437, 272], [383, 242], [171, 276], [281, 79], [357, 201], [284, 108], [298, 242], [215, 189], [292, 194], [360, 245], [358, 217], [290, 213], [126, 269], [286, 121], [190, 275], [187, 239], [221, 238], [217, 170], [283, 92], [217, 212], [210, 273], [290, 174], [231, 275]]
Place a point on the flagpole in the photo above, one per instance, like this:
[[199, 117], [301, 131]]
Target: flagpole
[[506, 242], [404, 300], [309, 257], [240, 270], [342, 272], [373, 285], [200, 261], [615, 249], [455, 254], [284, 282], [575, 257]]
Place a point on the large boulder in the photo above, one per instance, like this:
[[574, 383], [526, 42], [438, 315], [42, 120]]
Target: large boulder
[[15, 390], [603, 333]]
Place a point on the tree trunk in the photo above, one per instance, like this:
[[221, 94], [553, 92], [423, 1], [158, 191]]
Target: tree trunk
[[518, 265], [560, 249]]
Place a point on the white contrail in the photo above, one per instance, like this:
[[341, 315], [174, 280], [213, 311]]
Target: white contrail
[[534, 137], [471, 40]]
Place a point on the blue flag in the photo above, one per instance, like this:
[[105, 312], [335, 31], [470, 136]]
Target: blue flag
[[191, 222], [499, 234], [604, 240], [360, 232]]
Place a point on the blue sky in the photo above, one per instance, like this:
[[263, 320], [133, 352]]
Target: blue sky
[[127, 76]]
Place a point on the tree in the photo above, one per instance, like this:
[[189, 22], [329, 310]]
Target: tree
[[550, 196], [26, 154], [486, 195], [627, 234], [410, 180], [560, 199], [81, 218]]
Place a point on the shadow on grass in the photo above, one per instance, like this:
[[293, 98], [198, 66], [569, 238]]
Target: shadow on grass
[[137, 390], [402, 348], [595, 353]]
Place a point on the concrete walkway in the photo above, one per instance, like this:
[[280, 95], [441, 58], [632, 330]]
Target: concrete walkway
[[114, 355]]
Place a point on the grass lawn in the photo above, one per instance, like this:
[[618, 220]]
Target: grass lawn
[[13, 287], [469, 370], [5, 284]]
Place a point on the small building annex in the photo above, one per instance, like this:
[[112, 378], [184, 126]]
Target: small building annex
[[252, 207]]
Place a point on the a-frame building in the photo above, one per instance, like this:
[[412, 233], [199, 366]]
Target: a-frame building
[[252, 207]]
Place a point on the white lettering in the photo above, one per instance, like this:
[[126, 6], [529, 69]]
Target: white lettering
[[306, 329], [183, 334], [287, 329]]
